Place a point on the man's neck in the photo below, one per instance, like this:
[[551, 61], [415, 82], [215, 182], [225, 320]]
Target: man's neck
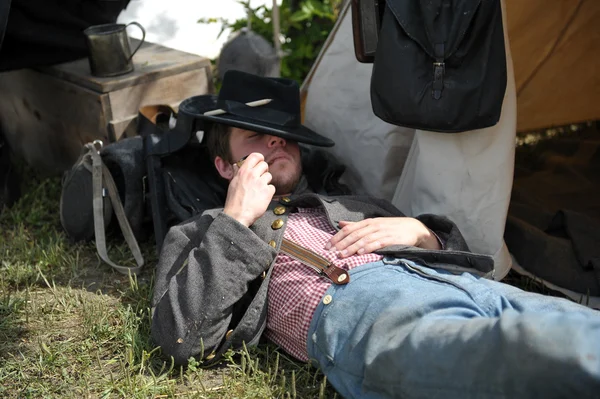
[[301, 188]]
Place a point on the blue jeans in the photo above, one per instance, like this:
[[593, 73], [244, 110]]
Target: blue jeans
[[406, 331]]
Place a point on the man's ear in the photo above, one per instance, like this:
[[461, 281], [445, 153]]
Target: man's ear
[[224, 168]]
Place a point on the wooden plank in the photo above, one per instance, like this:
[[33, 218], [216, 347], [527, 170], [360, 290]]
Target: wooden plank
[[46, 120], [556, 69], [170, 90], [123, 128], [151, 62]]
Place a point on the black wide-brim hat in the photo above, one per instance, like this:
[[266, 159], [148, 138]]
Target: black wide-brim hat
[[278, 114]]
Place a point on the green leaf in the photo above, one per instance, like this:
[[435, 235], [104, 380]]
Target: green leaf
[[303, 32]]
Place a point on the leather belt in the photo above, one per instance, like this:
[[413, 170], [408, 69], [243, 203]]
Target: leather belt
[[337, 275]]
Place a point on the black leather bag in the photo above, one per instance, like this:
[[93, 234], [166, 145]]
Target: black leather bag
[[4, 11], [119, 202], [440, 65], [124, 161], [105, 181]]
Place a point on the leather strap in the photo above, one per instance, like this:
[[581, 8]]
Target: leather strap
[[159, 142], [100, 175], [336, 274], [439, 69]]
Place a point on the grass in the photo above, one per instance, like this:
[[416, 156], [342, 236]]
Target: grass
[[70, 327]]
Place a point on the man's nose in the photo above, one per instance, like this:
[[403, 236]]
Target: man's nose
[[273, 141]]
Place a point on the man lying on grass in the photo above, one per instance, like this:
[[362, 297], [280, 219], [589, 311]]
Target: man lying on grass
[[402, 308]]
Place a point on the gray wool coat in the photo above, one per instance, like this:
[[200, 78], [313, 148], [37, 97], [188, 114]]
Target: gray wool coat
[[213, 274]]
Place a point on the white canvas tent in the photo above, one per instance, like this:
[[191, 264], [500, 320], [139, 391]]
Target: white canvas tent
[[466, 176]]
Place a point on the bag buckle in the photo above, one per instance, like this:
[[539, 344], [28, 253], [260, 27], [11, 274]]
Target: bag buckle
[[97, 144], [437, 65]]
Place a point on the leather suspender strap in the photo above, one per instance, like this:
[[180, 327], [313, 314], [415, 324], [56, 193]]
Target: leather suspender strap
[[336, 274], [101, 175]]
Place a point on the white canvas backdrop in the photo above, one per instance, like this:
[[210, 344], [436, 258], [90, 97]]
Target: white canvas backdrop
[[174, 23]]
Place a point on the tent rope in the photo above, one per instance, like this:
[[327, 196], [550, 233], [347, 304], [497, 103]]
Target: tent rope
[[276, 29]]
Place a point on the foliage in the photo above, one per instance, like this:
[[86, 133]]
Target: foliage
[[304, 27]]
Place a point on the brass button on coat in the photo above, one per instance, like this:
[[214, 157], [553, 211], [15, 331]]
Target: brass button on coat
[[263, 275], [273, 244], [286, 199], [279, 210], [277, 224], [228, 335]]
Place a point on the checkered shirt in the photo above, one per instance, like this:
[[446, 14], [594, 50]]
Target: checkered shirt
[[295, 289]]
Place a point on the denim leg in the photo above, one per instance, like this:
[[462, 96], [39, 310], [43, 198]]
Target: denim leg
[[529, 301], [408, 331]]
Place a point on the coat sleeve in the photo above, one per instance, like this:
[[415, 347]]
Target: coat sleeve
[[205, 267], [446, 230]]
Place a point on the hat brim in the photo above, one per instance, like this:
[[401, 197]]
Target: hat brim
[[197, 106]]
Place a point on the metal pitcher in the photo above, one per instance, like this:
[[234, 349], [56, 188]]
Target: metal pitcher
[[109, 50]]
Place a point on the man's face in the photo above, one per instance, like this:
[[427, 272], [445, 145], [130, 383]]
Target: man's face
[[282, 156]]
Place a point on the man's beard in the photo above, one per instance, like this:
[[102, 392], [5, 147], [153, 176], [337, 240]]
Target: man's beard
[[285, 183]]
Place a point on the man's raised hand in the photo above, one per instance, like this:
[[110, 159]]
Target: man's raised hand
[[369, 235], [249, 192]]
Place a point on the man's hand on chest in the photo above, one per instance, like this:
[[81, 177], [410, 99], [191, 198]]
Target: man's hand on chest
[[370, 235]]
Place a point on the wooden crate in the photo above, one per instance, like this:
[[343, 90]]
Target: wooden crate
[[47, 114]]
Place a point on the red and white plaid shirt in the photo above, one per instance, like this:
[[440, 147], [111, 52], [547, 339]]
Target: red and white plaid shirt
[[295, 289]]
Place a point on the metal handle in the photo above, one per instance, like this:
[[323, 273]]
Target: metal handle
[[141, 41]]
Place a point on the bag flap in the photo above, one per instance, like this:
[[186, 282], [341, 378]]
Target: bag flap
[[431, 22]]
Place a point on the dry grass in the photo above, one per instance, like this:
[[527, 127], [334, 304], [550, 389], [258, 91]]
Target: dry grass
[[70, 327]]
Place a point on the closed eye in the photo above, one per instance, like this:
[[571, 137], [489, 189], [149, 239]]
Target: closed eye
[[254, 135]]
